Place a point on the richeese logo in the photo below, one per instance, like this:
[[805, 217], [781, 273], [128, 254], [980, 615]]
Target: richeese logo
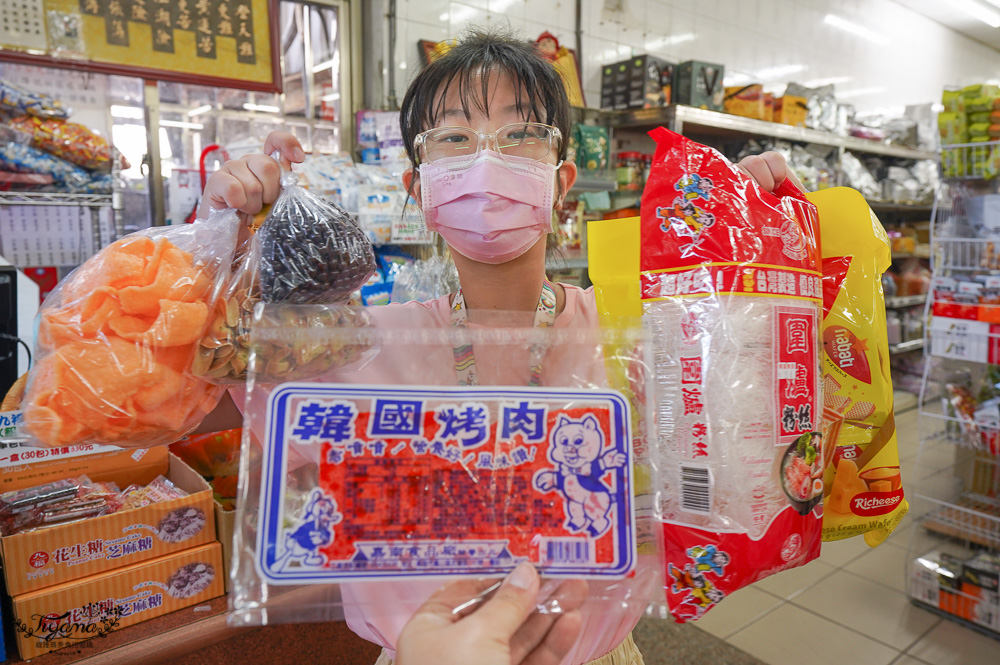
[[875, 503]]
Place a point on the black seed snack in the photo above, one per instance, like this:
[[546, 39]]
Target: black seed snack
[[190, 580], [312, 251], [181, 524]]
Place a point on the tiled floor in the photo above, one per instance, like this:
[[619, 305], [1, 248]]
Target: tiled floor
[[850, 606]]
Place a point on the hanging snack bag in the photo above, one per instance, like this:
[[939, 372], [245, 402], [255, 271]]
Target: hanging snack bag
[[15, 101], [312, 252], [862, 488], [116, 339], [306, 251], [730, 284]]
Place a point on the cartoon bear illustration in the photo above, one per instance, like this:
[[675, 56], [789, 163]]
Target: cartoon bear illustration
[[577, 450], [315, 531]]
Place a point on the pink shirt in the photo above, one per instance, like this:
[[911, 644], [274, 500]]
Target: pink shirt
[[377, 611]]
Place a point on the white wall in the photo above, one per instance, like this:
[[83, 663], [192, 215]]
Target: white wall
[[747, 36]]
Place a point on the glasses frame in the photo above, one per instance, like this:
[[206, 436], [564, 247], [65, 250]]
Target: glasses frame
[[483, 138]]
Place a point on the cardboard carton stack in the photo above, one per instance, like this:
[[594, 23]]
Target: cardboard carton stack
[[73, 582]]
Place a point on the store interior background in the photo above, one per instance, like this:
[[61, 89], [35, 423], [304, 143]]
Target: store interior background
[[851, 606]]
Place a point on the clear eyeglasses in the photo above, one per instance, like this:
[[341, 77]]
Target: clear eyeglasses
[[530, 140]]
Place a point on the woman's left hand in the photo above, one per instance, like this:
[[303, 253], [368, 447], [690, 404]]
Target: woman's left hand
[[769, 169]]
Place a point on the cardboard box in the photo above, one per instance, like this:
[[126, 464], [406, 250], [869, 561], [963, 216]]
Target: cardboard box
[[699, 84], [650, 82], [748, 101], [72, 613], [225, 525], [44, 557], [790, 110], [608, 86], [23, 466]]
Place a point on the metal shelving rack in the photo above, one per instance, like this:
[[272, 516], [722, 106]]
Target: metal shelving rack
[[113, 200], [958, 505]]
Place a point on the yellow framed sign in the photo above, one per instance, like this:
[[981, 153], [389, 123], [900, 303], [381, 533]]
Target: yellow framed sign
[[223, 43]]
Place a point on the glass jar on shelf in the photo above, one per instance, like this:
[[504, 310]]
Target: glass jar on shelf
[[629, 171]]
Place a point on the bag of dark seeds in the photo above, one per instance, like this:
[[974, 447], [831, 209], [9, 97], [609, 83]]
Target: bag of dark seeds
[[312, 252], [307, 251]]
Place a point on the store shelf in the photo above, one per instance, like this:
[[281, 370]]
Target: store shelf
[[897, 302], [983, 630], [56, 199], [590, 183], [887, 207], [974, 518], [905, 347], [712, 123]]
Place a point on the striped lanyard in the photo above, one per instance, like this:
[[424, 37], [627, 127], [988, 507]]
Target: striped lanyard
[[465, 359]]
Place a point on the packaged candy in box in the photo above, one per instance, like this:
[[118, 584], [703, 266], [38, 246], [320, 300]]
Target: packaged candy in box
[[58, 502], [728, 278], [374, 483], [117, 338]]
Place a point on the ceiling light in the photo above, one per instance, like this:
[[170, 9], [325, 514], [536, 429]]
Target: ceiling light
[[973, 8], [736, 78], [263, 108], [198, 111], [181, 125], [832, 80], [856, 29], [778, 72]]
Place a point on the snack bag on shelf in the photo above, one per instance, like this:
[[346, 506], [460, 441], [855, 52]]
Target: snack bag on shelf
[[216, 456], [20, 158], [69, 140], [17, 101], [730, 284], [862, 489], [117, 338]]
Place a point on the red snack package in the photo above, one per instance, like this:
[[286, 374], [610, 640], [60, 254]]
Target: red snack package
[[731, 286]]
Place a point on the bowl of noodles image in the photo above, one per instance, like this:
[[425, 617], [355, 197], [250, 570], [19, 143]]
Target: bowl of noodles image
[[802, 472]]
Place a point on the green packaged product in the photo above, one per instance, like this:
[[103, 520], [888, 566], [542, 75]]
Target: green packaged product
[[980, 90], [592, 147], [977, 104], [978, 129], [953, 101], [979, 117]]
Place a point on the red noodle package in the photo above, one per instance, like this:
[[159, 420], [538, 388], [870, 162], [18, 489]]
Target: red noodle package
[[731, 286]]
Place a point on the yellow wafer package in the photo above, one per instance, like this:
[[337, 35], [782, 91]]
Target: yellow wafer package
[[862, 487]]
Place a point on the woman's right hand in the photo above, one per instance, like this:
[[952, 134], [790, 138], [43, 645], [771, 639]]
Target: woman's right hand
[[251, 182]]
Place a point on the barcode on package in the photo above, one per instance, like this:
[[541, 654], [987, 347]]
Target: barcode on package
[[566, 551], [696, 490]]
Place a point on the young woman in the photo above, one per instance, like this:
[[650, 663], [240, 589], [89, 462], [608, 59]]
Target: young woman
[[486, 128]]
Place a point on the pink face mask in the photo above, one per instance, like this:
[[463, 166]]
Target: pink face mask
[[494, 210]]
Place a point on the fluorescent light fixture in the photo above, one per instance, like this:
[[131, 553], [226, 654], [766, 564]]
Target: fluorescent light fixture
[[669, 40], [780, 71], [622, 51], [181, 125], [976, 10], [402, 65], [831, 80], [198, 111], [886, 111], [263, 108], [133, 112], [860, 92], [937, 108], [854, 28], [459, 14]]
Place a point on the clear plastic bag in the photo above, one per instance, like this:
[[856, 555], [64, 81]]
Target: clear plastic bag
[[311, 251], [730, 284], [374, 484], [117, 337]]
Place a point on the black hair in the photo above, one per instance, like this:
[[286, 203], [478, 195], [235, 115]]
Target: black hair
[[539, 89]]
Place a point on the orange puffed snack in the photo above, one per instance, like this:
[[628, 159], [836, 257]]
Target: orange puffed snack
[[115, 343]]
